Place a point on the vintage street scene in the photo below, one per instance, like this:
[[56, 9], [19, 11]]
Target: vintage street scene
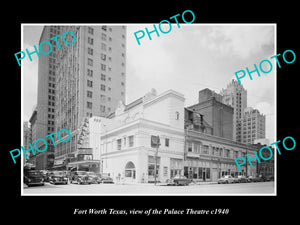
[[104, 115]]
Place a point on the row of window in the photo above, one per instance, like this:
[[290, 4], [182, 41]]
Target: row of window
[[196, 148], [122, 142]]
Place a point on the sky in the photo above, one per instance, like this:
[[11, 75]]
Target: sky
[[187, 59]]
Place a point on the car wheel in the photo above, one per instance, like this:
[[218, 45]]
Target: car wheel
[[226, 182]]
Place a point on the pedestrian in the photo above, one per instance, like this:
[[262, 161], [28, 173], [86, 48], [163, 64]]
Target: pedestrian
[[118, 178]]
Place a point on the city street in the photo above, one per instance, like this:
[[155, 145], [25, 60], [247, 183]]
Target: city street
[[263, 188]]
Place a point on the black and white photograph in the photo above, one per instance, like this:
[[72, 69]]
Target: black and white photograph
[[178, 113], [159, 116]]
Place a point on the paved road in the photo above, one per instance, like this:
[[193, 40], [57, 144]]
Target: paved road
[[263, 188]]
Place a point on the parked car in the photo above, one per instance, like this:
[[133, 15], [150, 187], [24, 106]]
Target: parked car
[[242, 179], [58, 177], [225, 179], [80, 177], [93, 177], [106, 180], [180, 180], [33, 177], [236, 180], [251, 179]]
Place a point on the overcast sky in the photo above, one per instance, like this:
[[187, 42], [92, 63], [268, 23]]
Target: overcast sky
[[187, 59]]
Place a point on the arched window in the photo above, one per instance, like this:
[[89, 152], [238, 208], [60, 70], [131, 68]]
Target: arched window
[[130, 170]]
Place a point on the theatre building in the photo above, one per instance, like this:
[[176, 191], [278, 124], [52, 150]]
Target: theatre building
[[126, 150]]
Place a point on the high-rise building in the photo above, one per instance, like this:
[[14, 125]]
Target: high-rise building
[[26, 137], [45, 110], [252, 126], [236, 96], [90, 80]]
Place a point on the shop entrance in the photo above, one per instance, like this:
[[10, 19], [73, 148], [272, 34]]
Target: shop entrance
[[130, 171]]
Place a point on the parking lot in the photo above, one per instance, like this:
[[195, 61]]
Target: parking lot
[[257, 188]]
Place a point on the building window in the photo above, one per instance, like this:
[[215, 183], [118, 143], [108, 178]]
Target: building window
[[102, 98], [103, 67], [89, 94], [167, 140], [89, 105], [104, 28], [103, 56], [205, 149], [90, 40], [90, 62], [103, 37], [189, 146], [90, 51], [89, 83], [103, 77], [90, 30], [130, 141], [227, 153], [102, 87], [90, 72], [119, 144], [102, 108], [103, 46], [197, 148]]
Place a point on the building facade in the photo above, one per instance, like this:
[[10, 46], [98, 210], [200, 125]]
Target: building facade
[[208, 156], [90, 80], [45, 110], [265, 168], [26, 138], [236, 96], [252, 124], [126, 150], [219, 116]]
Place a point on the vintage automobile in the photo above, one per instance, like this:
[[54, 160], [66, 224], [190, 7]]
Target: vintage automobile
[[242, 179], [251, 179], [179, 180], [236, 180], [93, 177], [80, 177], [105, 179], [33, 177], [226, 179], [58, 177]]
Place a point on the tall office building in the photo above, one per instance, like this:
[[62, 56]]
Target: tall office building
[[252, 126], [26, 137], [90, 80], [44, 114], [236, 96]]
